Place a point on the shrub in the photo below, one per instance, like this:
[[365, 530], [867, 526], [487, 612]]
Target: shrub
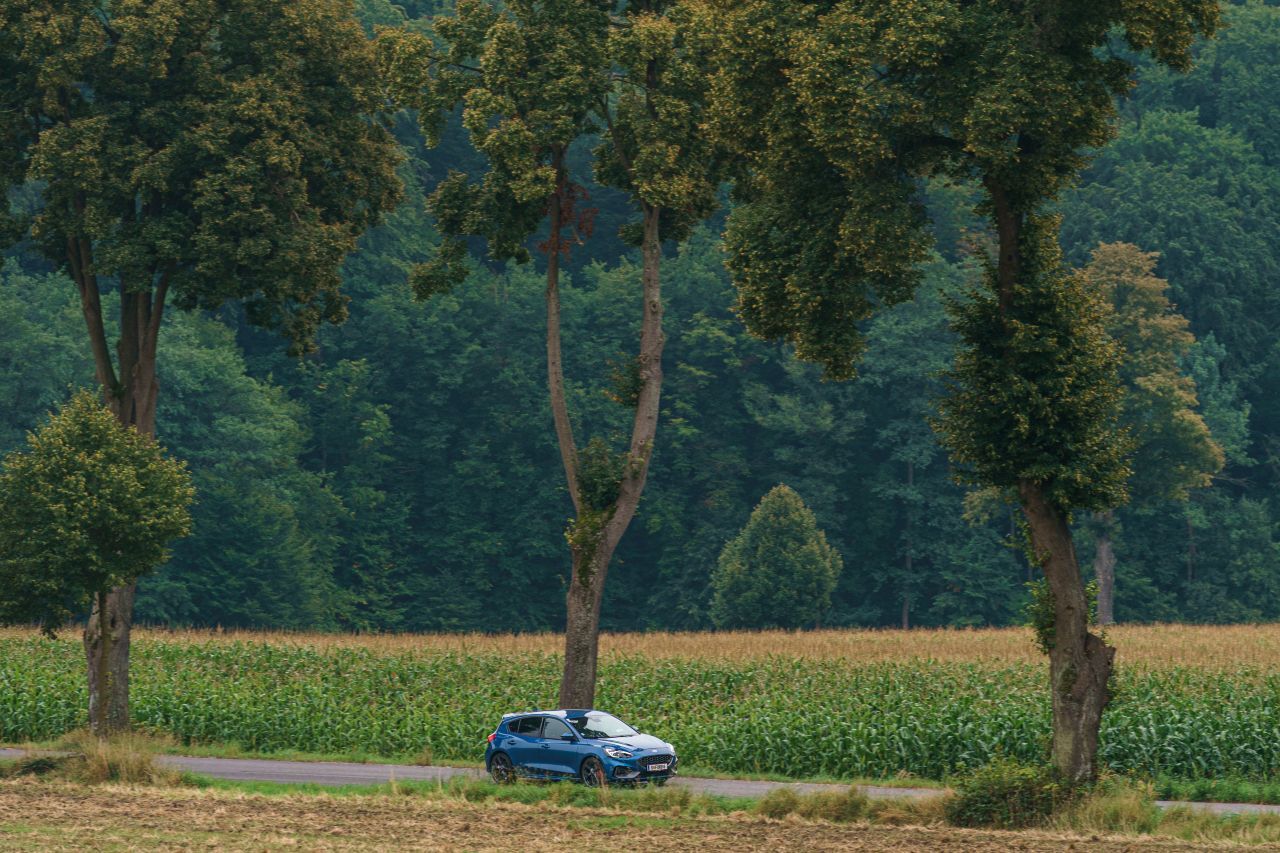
[[778, 803], [1006, 795], [836, 806], [1115, 804]]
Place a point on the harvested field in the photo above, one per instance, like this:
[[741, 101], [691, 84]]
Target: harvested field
[[64, 817]]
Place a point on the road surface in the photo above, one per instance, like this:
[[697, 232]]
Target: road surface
[[332, 773]]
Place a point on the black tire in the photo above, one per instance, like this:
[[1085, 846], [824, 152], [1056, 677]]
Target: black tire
[[592, 772], [501, 769], [658, 783]]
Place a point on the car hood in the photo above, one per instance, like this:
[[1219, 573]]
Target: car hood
[[637, 741]]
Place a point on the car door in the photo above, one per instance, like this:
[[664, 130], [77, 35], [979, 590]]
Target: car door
[[522, 743], [562, 756]]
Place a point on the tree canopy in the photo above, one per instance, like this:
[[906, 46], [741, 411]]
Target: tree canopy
[[87, 506]]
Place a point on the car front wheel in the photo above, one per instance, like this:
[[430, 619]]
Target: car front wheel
[[501, 770], [592, 772]]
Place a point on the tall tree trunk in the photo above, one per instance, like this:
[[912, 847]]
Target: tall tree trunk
[[132, 398], [598, 531], [1080, 663], [1104, 567]]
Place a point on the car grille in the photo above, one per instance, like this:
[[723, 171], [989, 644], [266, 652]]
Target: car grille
[[650, 760]]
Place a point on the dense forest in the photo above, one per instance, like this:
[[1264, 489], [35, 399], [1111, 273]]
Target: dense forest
[[404, 476]]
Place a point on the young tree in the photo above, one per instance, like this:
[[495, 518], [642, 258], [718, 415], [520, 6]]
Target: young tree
[[204, 151], [88, 507], [779, 571], [534, 79], [1174, 451], [837, 109]]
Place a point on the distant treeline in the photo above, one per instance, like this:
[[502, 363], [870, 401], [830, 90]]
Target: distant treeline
[[405, 476]]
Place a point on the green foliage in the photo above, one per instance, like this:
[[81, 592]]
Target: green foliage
[[1005, 795], [1039, 611], [838, 109], [189, 142], [1174, 450], [600, 474], [1035, 392], [779, 571], [90, 505]]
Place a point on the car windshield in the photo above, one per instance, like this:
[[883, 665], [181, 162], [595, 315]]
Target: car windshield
[[596, 724]]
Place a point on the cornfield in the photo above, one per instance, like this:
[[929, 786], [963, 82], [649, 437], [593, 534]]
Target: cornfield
[[782, 712]]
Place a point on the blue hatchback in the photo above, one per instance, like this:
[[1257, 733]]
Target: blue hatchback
[[591, 746]]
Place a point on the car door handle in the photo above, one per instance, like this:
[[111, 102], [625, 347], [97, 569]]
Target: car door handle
[[546, 746]]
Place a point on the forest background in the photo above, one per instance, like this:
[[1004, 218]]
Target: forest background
[[404, 476]]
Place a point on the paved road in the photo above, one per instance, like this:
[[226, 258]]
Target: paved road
[[338, 773]]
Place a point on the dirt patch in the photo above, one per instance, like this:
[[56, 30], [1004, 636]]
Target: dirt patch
[[55, 816]]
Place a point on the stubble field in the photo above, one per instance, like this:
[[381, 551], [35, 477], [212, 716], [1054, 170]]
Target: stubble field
[[1191, 702]]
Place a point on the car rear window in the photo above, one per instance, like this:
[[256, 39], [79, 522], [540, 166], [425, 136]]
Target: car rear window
[[525, 726]]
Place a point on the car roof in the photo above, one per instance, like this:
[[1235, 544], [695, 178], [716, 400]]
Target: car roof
[[564, 713]]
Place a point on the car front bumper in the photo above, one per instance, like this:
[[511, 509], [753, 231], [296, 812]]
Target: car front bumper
[[634, 770]]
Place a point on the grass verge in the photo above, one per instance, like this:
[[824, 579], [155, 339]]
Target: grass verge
[[1218, 790], [87, 759]]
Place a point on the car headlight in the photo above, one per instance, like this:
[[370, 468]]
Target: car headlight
[[616, 753]]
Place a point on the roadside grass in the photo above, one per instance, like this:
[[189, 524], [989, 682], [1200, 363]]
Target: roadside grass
[[1224, 790], [667, 800], [1120, 807], [84, 758]]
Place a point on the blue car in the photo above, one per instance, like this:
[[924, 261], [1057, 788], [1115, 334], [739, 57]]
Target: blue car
[[592, 747]]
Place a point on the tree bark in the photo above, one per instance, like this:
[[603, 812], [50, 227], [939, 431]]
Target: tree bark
[[1080, 663], [106, 646], [131, 396], [593, 553], [1104, 567]]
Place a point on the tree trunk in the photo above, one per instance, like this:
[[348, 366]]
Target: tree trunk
[[594, 546], [1080, 663], [132, 398], [106, 646], [1104, 567]]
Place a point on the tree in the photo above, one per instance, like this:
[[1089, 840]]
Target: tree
[[534, 79], [88, 507], [1174, 451], [214, 151], [779, 571], [837, 110]]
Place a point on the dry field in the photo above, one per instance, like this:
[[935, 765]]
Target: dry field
[[1202, 646], [66, 817]]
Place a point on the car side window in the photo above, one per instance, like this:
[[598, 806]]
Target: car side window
[[527, 726], [553, 729]]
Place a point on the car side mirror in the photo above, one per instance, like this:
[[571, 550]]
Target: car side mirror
[[568, 736]]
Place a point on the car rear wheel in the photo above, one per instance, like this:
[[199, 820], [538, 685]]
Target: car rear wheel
[[592, 772], [501, 770]]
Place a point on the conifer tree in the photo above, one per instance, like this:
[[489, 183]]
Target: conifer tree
[[779, 571]]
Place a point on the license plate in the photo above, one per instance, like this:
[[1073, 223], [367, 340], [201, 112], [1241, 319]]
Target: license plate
[[653, 768]]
